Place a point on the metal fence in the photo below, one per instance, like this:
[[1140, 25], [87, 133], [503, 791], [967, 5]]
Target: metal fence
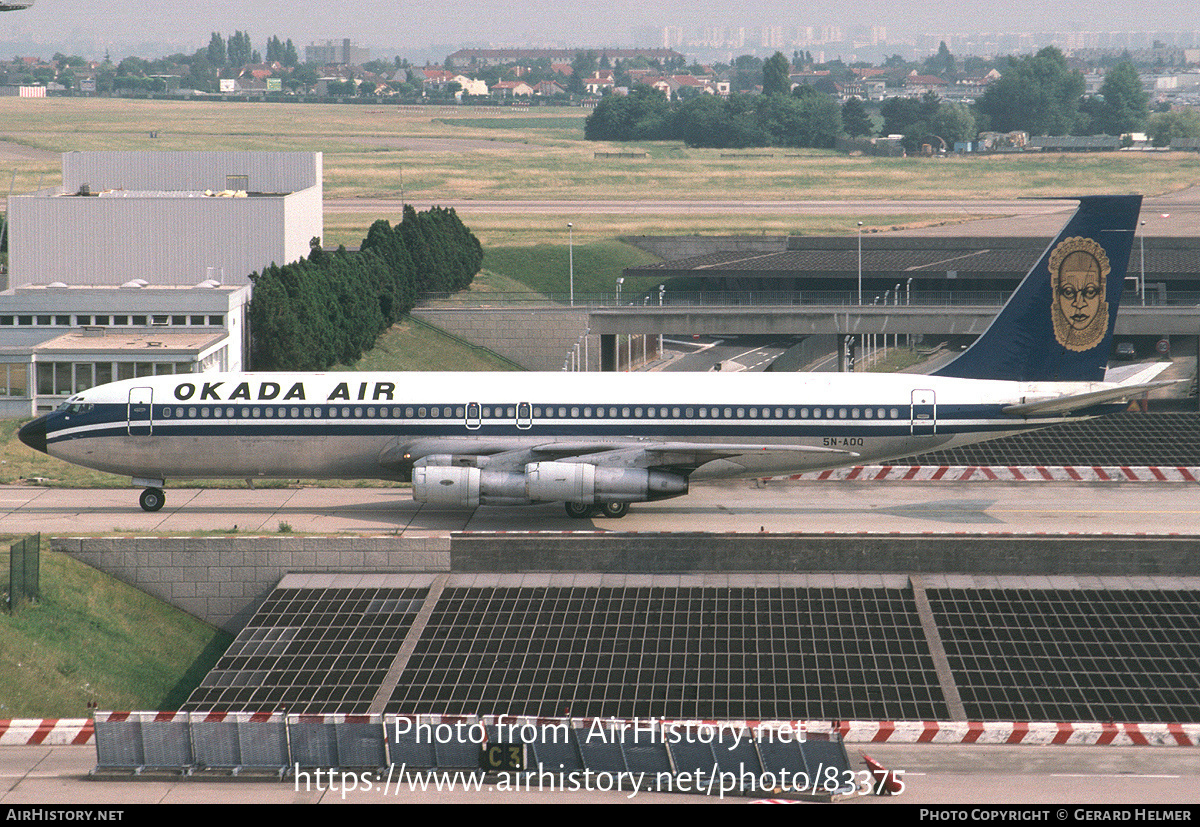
[[742, 754], [24, 572]]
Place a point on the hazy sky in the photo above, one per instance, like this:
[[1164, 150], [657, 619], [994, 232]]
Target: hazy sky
[[388, 28]]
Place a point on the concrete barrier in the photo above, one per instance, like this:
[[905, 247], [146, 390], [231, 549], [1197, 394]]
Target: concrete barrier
[[222, 580]]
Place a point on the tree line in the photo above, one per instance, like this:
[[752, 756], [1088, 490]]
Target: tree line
[[1039, 94], [329, 308], [803, 118]]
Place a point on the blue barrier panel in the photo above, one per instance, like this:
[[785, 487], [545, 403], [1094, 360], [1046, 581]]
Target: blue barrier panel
[[827, 764], [239, 740], [407, 744], [600, 747], [738, 757], [557, 748], [457, 740], [360, 742], [646, 751], [313, 741], [166, 742], [263, 740], [118, 741]]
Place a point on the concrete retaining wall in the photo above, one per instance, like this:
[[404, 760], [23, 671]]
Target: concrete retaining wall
[[222, 580], [535, 338], [902, 554]]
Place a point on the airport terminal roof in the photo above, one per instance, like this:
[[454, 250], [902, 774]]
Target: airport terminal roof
[[151, 342]]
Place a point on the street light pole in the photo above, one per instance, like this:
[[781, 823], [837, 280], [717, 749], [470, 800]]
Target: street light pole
[[1143, 287], [860, 263], [571, 258]]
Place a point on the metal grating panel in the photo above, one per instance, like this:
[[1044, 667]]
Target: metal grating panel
[[1073, 654]]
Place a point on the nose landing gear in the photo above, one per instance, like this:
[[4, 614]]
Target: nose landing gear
[[152, 499]]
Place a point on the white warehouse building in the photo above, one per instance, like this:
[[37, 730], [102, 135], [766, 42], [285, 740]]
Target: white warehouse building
[[167, 218], [138, 266]]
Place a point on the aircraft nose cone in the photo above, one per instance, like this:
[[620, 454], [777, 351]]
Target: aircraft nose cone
[[33, 434]]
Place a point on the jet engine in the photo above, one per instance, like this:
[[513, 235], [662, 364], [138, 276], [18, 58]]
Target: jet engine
[[572, 482]]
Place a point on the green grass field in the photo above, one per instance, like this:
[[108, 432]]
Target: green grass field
[[91, 638]]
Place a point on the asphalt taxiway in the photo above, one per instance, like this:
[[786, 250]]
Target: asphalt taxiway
[[784, 506]]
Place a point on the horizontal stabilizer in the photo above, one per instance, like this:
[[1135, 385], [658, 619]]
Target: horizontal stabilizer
[[1076, 401]]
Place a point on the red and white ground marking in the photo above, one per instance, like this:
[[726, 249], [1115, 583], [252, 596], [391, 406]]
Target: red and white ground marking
[[81, 731], [1004, 473], [1042, 733], [46, 731]]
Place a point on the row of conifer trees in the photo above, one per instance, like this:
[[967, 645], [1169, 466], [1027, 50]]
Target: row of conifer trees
[[329, 308]]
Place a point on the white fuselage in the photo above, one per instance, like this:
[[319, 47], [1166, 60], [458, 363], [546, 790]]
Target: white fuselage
[[377, 425]]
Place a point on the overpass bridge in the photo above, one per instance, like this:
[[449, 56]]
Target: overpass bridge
[[847, 320]]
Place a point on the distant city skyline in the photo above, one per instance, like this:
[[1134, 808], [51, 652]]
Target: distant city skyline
[[156, 28]]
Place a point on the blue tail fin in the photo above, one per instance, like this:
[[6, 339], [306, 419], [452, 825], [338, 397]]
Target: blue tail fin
[[1058, 324]]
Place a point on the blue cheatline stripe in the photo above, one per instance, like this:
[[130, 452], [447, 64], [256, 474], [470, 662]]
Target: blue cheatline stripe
[[595, 429]]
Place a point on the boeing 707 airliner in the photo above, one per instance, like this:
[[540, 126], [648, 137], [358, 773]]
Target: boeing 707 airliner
[[598, 442]]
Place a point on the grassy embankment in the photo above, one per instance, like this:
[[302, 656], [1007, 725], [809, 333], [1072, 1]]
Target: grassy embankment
[[91, 638]]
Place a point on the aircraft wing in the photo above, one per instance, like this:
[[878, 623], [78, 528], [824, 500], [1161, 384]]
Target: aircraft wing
[[1075, 401], [673, 454]]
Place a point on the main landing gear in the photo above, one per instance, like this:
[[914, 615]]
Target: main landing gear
[[152, 499], [581, 511]]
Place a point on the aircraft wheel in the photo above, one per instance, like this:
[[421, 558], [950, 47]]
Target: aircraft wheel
[[614, 510], [152, 499], [579, 511]]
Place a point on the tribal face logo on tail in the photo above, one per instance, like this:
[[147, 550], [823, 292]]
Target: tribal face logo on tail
[[1079, 271]]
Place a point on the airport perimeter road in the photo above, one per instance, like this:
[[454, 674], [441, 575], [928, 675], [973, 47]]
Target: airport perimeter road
[[693, 206], [736, 506], [933, 774]]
